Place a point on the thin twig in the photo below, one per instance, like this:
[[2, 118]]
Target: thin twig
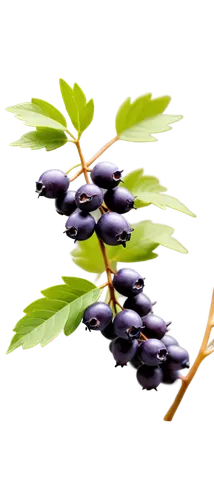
[[101, 151]]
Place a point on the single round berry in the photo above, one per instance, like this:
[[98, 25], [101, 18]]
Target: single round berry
[[178, 358], [169, 376], [113, 229], [127, 324], [106, 175], [124, 350], [52, 184], [80, 225], [97, 316], [152, 352], [154, 327], [108, 332], [149, 377], [89, 197], [128, 282], [111, 345], [119, 200], [139, 303], [168, 340], [66, 204]]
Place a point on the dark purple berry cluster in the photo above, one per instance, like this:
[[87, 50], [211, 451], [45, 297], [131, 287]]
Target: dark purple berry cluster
[[112, 228], [137, 335]]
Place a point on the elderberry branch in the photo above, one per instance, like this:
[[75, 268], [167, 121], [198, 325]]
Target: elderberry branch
[[101, 151], [204, 351]]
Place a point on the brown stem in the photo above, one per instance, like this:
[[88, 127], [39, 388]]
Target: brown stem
[[203, 352], [76, 175], [108, 274], [101, 151], [83, 162], [104, 285]]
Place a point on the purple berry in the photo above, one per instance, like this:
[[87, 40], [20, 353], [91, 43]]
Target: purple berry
[[89, 197], [127, 324], [108, 332], [139, 303], [152, 352], [66, 204], [169, 376], [97, 316], [80, 225], [113, 229], [149, 377], [52, 184], [178, 358], [128, 282], [106, 175], [124, 350], [168, 340], [135, 362], [154, 327], [119, 200]]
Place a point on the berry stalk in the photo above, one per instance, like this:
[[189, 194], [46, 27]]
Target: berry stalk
[[204, 351], [101, 151]]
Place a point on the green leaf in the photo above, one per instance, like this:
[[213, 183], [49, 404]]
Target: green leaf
[[38, 113], [79, 96], [143, 107], [50, 111], [47, 138], [145, 238], [46, 317], [86, 115], [78, 308], [146, 132], [148, 191], [87, 255], [70, 103]]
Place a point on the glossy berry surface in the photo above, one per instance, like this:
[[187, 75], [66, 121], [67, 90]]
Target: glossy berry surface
[[113, 229], [178, 358], [152, 352], [97, 316], [119, 200], [80, 225], [89, 197], [106, 175], [168, 340], [128, 282], [169, 376], [127, 324], [108, 332], [124, 350], [66, 204], [52, 184], [149, 377], [154, 327], [139, 303]]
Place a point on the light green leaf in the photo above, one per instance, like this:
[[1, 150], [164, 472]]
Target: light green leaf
[[87, 256], [50, 110], [146, 132], [70, 103], [148, 191], [38, 113], [47, 138], [79, 96], [145, 238], [145, 106], [46, 317], [86, 115], [78, 307]]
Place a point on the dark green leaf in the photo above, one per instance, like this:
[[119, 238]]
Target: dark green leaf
[[38, 113]]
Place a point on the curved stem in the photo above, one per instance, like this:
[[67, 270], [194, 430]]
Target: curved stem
[[72, 168], [101, 151], [203, 352], [83, 162], [71, 135]]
